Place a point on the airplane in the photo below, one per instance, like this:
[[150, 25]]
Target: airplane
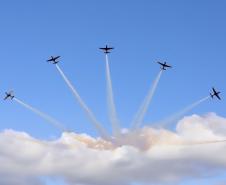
[[106, 49], [53, 59], [215, 93], [164, 65], [9, 95]]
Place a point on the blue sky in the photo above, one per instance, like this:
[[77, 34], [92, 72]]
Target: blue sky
[[190, 35]]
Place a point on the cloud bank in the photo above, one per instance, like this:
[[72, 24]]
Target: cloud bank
[[146, 156]]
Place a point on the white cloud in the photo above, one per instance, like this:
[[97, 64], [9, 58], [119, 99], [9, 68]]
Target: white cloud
[[146, 156]]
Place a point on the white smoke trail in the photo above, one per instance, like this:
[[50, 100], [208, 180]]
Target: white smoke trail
[[88, 112], [175, 117], [110, 99], [144, 107], [48, 118]]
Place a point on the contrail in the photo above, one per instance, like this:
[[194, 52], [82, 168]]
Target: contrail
[[179, 114], [111, 105], [48, 118], [144, 107], [90, 115]]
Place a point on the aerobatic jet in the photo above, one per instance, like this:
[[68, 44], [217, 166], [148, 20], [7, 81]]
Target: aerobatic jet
[[106, 49], [215, 93], [9, 95], [164, 66], [53, 59]]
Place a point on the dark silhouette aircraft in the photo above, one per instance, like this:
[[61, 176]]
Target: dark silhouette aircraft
[[9, 95], [215, 93], [106, 49], [53, 59], [164, 65]]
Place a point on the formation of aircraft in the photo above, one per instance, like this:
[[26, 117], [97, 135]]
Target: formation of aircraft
[[53, 59], [215, 93], [164, 66], [106, 49], [9, 95]]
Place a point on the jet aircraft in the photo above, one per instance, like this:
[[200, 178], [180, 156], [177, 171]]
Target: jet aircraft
[[9, 95], [106, 49], [53, 59], [164, 66], [215, 93]]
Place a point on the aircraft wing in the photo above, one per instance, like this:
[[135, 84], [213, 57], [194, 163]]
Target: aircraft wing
[[218, 96], [6, 96], [106, 48], [167, 65], [214, 91]]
